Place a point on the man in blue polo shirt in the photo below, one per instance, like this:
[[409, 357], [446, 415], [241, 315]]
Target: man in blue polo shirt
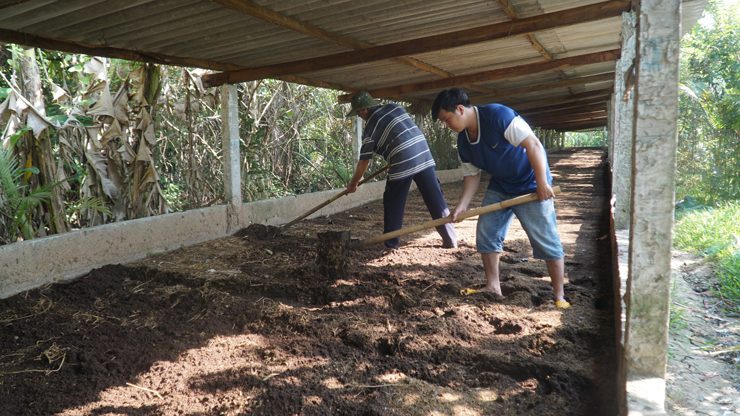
[[391, 133], [496, 139]]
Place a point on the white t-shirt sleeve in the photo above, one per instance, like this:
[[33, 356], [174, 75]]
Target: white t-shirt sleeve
[[469, 169], [517, 131]]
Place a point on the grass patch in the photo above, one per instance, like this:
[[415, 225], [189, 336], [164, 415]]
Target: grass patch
[[715, 233]]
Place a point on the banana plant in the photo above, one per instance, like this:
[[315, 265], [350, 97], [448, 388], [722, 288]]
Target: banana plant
[[16, 201]]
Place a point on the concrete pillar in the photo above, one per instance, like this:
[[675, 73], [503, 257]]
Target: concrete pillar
[[624, 109], [231, 156], [653, 190]]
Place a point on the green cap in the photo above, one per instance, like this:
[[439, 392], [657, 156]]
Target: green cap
[[360, 101]]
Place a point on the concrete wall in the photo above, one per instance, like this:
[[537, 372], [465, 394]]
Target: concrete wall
[[29, 264]]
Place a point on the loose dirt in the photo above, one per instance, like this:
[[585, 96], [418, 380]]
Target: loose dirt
[[248, 326]]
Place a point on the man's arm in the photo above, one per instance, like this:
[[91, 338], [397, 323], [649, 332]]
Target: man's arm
[[536, 155], [359, 173], [470, 186]]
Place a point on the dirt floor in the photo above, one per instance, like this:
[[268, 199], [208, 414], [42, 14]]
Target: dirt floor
[[243, 326], [703, 371]]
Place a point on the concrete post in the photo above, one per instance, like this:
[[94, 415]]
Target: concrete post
[[231, 155], [624, 108], [653, 191]]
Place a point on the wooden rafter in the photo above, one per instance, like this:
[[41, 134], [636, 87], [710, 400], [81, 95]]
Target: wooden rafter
[[581, 117], [270, 16], [575, 126], [586, 113], [508, 8], [496, 74], [604, 92], [8, 3], [20, 38], [483, 99], [519, 27], [549, 109]]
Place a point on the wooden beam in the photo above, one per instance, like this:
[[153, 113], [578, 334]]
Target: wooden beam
[[508, 8], [576, 126], [586, 114], [543, 22], [485, 99], [563, 106], [8, 3], [563, 99], [43, 42], [569, 112], [502, 73], [597, 115], [263, 13], [270, 16]]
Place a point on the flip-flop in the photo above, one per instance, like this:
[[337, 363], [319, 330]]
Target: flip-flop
[[468, 291], [562, 304]]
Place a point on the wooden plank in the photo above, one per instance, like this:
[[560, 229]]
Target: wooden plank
[[8, 3], [18, 38], [575, 126], [581, 109], [543, 22], [541, 87], [606, 92], [563, 118], [497, 74], [565, 106], [289, 23]]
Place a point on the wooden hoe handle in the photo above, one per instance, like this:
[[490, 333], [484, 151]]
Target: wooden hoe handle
[[440, 221], [334, 198]]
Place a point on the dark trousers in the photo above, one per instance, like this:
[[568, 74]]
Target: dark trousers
[[394, 204]]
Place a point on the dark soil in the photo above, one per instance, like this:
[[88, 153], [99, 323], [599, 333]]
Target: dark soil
[[250, 326]]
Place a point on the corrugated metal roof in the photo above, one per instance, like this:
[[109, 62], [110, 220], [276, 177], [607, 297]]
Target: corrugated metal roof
[[347, 45]]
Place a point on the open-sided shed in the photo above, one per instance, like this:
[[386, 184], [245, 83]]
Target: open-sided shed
[[565, 65], [552, 60]]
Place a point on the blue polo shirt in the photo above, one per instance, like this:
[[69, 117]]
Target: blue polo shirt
[[391, 133], [511, 172]]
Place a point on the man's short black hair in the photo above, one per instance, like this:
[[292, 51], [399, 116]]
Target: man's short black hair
[[448, 100]]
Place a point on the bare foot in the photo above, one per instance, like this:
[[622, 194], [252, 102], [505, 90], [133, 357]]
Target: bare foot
[[494, 290]]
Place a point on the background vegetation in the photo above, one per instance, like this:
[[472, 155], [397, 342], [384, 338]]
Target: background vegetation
[[708, 163], [116, 140]]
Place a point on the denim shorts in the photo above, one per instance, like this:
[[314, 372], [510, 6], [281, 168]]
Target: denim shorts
[[537, 219]]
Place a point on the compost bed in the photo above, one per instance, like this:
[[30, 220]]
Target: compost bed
[[249, 326]]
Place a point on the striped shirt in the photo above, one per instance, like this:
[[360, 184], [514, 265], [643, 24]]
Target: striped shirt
[[391, 133]]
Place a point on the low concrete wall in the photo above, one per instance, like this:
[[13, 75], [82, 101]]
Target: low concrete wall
[[29, 264]]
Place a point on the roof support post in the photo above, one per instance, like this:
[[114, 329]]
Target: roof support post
[[653, 191], [623, 122], [231, 156]]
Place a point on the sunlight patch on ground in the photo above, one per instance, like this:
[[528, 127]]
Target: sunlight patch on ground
[[487, 396], [332, 383], [392, 377]]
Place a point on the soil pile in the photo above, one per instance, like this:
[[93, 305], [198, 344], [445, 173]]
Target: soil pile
[[249, 326]]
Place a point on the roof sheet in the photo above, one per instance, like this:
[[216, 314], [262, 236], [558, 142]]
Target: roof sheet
[[342, 44]]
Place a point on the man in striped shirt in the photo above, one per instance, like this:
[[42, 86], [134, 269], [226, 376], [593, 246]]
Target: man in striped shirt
[[392, 134]]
